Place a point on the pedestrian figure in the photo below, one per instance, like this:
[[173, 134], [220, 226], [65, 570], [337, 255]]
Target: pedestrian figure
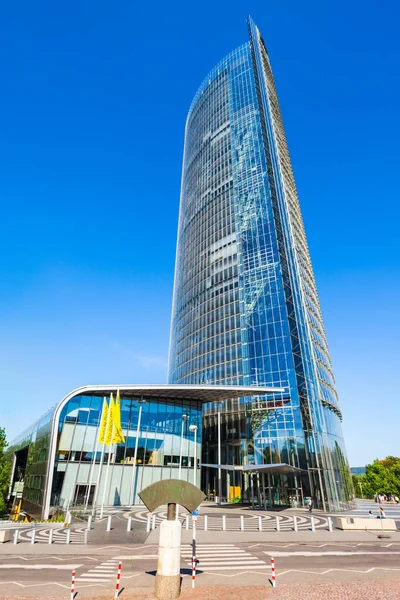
[[310, 505], [370, 514], [396, 498], [381, 513]]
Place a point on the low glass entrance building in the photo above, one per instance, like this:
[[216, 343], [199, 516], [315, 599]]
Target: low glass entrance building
[[61, 463]]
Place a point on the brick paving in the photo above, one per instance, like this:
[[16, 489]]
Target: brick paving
[[373, 590]]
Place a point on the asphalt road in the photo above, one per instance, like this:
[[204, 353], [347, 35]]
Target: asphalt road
[[236, 564]]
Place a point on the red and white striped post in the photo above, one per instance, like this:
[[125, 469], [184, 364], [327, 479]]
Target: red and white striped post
[[73, 585], [273, 578], [118, 579], [194, 560]]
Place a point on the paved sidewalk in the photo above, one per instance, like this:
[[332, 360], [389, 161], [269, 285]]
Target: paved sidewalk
[[374, 590]]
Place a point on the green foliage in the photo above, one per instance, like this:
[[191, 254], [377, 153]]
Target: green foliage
[[5, 471], [381, 477]]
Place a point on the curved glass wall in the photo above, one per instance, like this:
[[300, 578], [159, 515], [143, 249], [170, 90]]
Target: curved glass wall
[[246, 308], [77, 473]]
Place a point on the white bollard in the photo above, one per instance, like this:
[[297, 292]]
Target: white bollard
[[187, 522], [295, 523], [312, 524], [129, 524], [89, 522], [16, 536], [85, 536], [109, 519], [259, 523], [241, 523], [33, 536], [68, 540], [50, 536], [153, 522], [205, 522], [223, 522], [330, 526], [168, 577], [148, 524], [278, 524]]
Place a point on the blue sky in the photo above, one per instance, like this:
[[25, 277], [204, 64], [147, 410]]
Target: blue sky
[[92, 113]]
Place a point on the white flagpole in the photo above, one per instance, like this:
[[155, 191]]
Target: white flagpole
[[93, 462], [133, 481], [96, 491], [107, 472]]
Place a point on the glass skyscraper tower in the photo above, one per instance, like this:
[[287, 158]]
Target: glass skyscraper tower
[[245, 308]]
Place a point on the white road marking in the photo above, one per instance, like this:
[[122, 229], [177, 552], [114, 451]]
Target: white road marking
[[89, 580], [338, 553], [138, 556], [223, 563], [36, 567], [102, 575], [230, 568]]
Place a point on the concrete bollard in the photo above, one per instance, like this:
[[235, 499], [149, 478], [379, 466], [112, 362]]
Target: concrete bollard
[[109, 519], [223, 522], [50, 536], [68, 540], [278, 524], [205, 522], [312, 524], [241, 523], [330, 524], [129, 524], [259, 523], [85, 536], [187, 522], [148, 524], [295, 523], [16, 536], [168, 577], [153, 522], [33, 538], [89, 522]]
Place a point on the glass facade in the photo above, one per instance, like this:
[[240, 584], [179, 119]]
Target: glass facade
[[245, 308], [65, 460]]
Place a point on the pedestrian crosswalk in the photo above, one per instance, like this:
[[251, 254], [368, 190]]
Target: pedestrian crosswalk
[[221, 557], [102, 573], [392, 511]]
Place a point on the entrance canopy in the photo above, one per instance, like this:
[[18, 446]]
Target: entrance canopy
[[273, 469], [202, 393], [277, 469]]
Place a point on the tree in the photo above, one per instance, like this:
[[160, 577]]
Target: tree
[[5, 471], [381, 477]]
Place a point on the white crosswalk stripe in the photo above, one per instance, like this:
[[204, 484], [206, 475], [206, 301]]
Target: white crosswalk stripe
[[221, 557], [101, 573]]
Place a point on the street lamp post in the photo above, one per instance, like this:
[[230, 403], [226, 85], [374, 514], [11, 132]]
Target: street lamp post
[[184, 417], [194, 428], [219, 454]]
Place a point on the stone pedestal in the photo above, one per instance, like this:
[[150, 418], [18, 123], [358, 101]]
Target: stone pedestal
[[168, 578]]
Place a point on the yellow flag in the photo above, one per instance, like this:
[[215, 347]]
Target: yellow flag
[[118, 436], [110, 423], [103, 423]]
